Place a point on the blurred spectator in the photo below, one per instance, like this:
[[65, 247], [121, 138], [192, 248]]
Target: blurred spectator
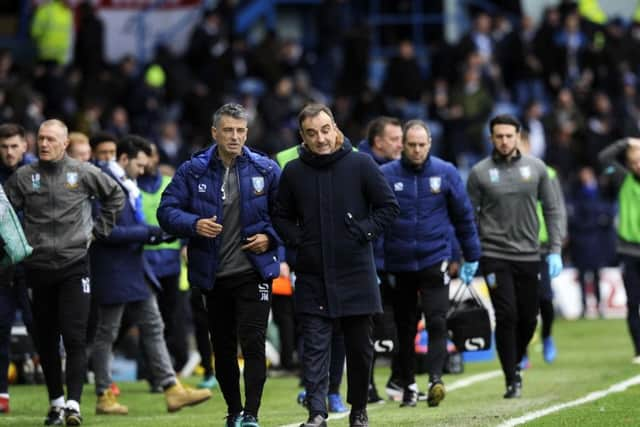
[[88, 119], [532, 123], [118, 124], [89, 40], [570, 52], [171, 149], [147, 104], [205, 53], [602, 128], [279, 118], [403, 82], [51, 30], [79, 147], [523, 70], [591, 234], [471, 105]]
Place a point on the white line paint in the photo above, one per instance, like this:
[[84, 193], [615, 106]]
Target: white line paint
[[616, 388], [453, 386]]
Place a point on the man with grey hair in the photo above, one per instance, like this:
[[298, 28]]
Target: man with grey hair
[[222, 200], [55, 196]]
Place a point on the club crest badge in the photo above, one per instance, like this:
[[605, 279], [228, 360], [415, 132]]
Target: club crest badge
[[258, 185], [525, 173], [202, 188], [35, 181], [491, 280], [435, 183], [494, 175], [72, 180], [398, 186]]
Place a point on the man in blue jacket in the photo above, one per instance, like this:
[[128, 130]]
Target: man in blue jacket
[[222, 201], [417, 249], [121, 279], [332, 204]]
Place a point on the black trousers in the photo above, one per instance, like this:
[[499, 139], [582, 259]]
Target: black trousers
[[547, 314], [201, 329], [631, 278], [432, 286], [513, 287], [317, 333], [172, 303], [238, 308], [61, 300], [285, 318]]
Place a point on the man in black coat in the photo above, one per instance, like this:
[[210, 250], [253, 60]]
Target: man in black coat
[[332, 204]]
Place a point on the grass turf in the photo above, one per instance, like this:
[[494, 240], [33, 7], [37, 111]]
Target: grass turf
[[592, 356]]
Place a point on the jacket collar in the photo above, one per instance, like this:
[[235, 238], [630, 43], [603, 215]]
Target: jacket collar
[[499, 158], [319, 161], [413, 168]]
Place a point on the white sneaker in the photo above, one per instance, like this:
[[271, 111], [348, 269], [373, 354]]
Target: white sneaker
[[636, 360]]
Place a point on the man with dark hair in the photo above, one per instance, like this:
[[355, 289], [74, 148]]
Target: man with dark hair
[[13, 150], [55, 195], [121, 280], [13, 289], [222, 200], [417, 249], [332, 204], [384, 140], [103, 147], [504, 189]]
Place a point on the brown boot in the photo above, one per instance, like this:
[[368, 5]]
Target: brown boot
[[108, 405], [179, 396]]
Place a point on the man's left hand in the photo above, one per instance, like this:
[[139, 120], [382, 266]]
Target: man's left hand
[[258, 243]]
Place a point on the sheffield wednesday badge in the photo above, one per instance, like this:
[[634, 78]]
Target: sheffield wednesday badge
[[494, 175], [35, 181], [525, 173], [72, 180], [258, 185], [435, 182], [398, 186]]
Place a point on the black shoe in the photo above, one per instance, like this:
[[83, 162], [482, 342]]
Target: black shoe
[[436, 394], [316, 420], [72, 417], [55, 416], [373, 396], [409, 398], [514, 390], [358, 418]]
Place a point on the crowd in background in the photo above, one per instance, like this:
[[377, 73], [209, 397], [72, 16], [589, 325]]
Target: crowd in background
[[572, 81]]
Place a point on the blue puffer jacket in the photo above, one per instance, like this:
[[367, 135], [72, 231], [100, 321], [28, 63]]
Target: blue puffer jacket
[[432, 199], [378, 246], [119, 272], [194, 193]]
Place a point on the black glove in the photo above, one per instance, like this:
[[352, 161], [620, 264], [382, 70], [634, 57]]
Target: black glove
[[355, 229], [155, 235]]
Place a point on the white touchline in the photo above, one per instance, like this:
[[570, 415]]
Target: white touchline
[[616, 388], [454, 386]]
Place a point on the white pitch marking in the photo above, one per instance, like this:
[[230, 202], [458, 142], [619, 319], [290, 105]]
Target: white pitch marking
[[454, 386], [616, 388]]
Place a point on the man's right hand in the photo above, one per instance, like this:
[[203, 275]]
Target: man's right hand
[[208, 227]]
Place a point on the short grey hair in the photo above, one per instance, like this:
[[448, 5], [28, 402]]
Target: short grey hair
[[59, 123], [412, 124], [236, 111]]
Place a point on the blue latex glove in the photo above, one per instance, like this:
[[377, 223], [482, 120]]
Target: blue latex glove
[[555, 265], [467, 271]]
